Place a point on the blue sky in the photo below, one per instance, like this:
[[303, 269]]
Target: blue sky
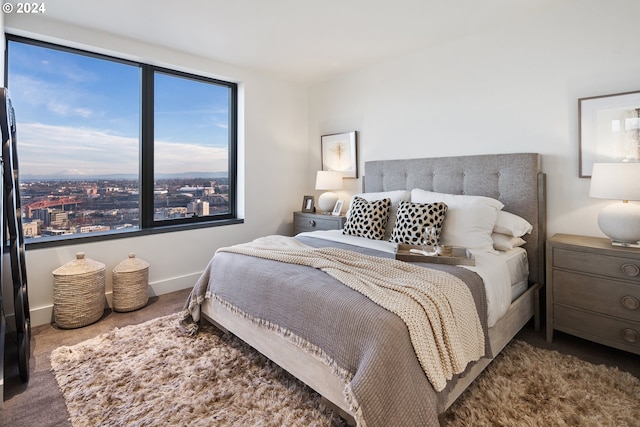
[[81, 113]]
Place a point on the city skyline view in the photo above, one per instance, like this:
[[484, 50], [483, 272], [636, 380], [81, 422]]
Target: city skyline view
[[81, 149], [81, 114]]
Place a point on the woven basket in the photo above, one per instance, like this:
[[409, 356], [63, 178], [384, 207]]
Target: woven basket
[[130, 284], [78, 292]]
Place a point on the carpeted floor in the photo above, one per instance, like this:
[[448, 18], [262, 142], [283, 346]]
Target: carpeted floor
[[40, 403], [152, 374]]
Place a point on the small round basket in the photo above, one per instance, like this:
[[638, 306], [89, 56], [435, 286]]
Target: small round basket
[[130, 284], [78, 292]]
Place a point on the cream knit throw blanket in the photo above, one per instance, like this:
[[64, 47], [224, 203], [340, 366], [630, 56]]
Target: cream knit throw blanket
[[437, 308]]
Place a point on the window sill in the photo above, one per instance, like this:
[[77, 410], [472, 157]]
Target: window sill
[[38, 243]]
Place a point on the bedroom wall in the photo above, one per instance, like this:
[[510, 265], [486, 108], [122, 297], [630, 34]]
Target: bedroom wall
[[512, 89], [273, 149]]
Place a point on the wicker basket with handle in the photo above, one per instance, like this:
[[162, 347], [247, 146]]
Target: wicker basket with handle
[[130, 284], [78, 292]]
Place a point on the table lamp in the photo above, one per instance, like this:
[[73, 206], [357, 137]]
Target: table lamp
[[328, 180], [621, 220]]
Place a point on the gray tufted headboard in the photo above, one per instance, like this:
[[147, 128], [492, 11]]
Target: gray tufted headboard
[[514, 179]]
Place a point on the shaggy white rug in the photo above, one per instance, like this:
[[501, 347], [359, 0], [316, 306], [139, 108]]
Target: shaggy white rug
[[151, 374]]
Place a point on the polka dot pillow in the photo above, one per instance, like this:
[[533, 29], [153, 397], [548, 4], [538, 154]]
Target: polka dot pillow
[[367, 219], [412, 218]]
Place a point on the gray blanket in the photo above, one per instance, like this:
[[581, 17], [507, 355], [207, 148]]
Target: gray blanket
[[366, 344]]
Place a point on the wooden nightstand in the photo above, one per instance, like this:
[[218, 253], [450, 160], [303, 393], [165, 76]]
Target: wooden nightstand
[[593, 291], [303, 221]]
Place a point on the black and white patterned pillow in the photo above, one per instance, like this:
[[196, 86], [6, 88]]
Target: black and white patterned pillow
[[367, 219], [412, 218]]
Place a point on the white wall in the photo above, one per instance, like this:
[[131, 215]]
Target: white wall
[[512, 89], [273, 149]]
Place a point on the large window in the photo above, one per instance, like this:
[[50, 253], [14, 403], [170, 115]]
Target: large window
[[108, 146]]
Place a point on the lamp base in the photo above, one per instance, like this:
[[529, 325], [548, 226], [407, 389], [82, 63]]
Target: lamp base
[[625, 244], [621, 222], [327, 201]]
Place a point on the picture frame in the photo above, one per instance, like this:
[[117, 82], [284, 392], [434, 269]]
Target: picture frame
[[308, 204], [609, 130], [340, 153], [337, 209]]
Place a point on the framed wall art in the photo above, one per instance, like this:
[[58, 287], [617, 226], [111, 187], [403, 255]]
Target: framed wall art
[[609, 130], [339, 153]]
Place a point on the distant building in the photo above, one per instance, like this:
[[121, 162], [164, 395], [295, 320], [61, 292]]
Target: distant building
[[30, 229], [169, 213], [55, 232], [198, 208], [94, 228], [91, 192], [52, 217]]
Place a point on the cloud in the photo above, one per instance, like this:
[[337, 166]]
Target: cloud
[[172, 157], [35, 93], [47, 149], [83, 112]]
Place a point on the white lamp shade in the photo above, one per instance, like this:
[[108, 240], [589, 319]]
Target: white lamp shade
[[328, 180], [618, 181]]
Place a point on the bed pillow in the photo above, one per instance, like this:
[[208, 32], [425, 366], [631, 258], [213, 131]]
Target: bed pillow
[[511, 225], [469, 221], [396, 197], [367, 219], [412, 218], [502, 242]]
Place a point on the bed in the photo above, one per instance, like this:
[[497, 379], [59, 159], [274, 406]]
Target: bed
[[311, 347]]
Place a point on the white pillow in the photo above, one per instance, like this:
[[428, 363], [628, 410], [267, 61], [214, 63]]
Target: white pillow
[[396, 197], [512, 225], [502, 242], [469, 221]]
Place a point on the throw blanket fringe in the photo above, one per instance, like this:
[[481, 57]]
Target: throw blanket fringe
[[308, 347], [437, 307]]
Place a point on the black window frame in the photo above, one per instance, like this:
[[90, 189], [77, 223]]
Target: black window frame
[[147, 223]]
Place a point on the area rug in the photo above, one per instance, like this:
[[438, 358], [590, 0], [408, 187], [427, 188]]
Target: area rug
[[151, 374]]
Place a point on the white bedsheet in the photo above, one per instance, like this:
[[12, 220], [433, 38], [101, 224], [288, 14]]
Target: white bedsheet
[[518, 266], [498, 271]]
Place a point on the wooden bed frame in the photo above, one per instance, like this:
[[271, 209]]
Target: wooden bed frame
[[514, 179]]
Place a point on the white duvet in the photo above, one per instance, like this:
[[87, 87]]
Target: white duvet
[[498, 271]]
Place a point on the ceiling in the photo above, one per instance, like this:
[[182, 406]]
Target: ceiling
[[300, 40]]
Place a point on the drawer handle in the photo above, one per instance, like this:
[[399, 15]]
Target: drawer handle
[[630, 270], [630, 302], [312, 223], [630, 335]]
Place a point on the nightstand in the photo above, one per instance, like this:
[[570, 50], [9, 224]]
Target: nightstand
[[593, 291], [305, 221]]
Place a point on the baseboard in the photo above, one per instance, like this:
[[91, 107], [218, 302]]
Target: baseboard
[[173, 284], [44, 315]]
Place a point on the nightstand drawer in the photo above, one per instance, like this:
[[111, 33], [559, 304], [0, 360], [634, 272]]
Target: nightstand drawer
[[303, 221], [606, 330], [605, 296], [614, 267], [311, 224]]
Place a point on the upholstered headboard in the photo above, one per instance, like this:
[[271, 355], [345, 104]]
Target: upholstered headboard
[[514, 179]]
